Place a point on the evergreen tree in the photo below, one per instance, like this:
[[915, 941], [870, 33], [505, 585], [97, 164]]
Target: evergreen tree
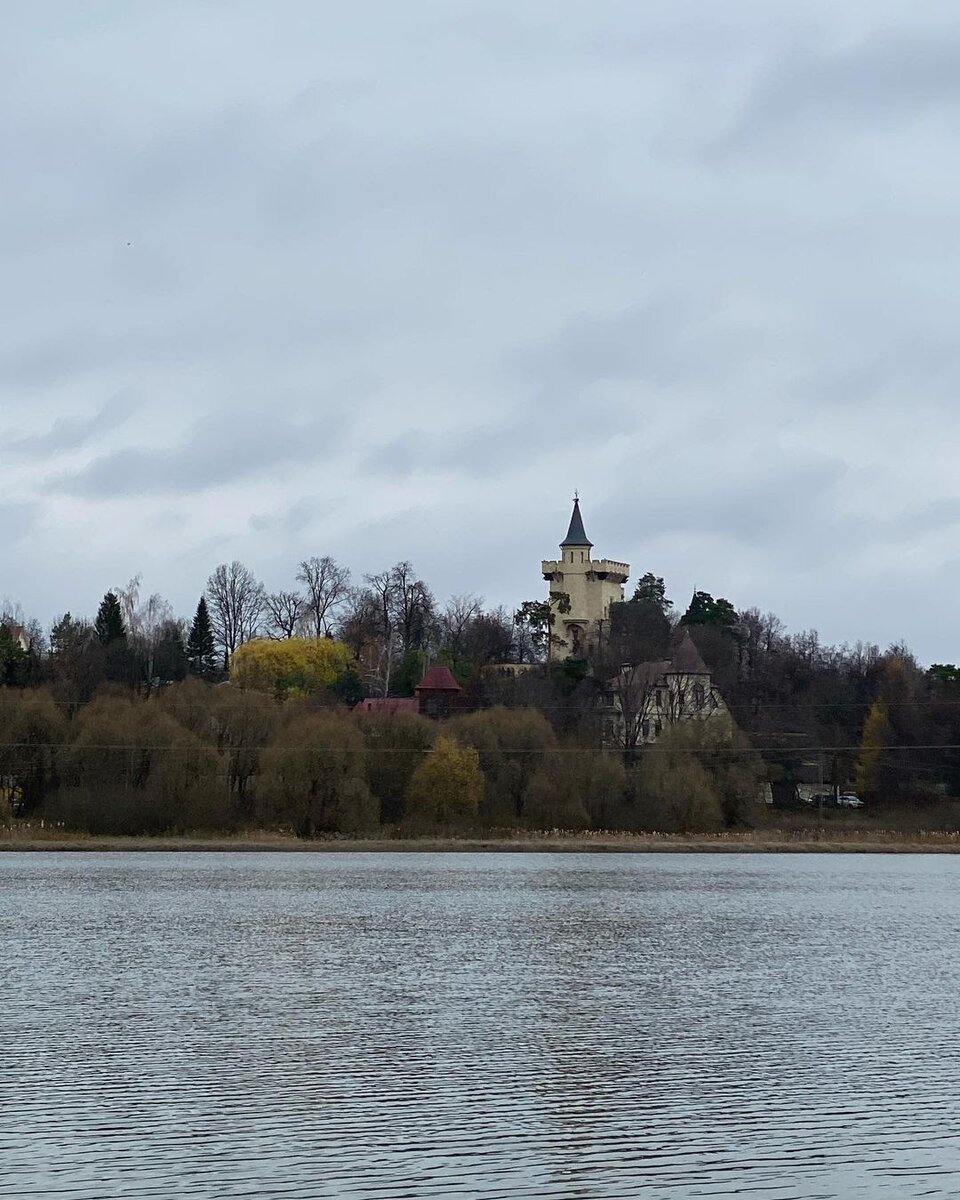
[[652, 590], [12, 658], [704, 610], [409, 673], [201, 648], [109, 623], [170, 655]]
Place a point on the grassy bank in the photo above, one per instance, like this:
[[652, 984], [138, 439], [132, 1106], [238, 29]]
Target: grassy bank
[[799, 840]]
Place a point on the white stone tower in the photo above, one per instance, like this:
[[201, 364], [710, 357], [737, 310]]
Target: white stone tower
[[592, 584]]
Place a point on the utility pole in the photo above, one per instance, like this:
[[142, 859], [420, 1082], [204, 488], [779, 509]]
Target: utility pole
[[820, 776]]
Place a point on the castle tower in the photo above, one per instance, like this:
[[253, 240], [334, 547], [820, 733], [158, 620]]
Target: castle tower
[[591, 584]]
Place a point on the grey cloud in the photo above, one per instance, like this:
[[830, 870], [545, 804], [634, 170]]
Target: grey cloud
[[71, 433], [926, 362], [492, 245], [291, 518], [475, 452], [222, 449], [585, 379], [165, 341], [788, 512], [882, 77], [664, 340], [765, 504], [18, 518]]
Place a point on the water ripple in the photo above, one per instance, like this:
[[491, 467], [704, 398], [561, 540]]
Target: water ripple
[[514, 1026]]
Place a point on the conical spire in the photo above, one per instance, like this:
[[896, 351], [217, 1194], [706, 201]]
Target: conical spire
[[575, 534], [686, 657]]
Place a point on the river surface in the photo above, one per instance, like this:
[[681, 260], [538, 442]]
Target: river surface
[[483, 1025]]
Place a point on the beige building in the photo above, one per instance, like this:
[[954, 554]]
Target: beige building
[[590, 585], [646, 698]]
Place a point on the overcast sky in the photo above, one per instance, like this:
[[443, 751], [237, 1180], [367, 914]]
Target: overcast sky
[[386, 280]]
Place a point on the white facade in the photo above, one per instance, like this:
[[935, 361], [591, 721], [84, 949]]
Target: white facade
[[646, 699], [591, 584]]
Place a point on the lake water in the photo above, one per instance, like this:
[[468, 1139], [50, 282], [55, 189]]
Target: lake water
[[519, 1025]]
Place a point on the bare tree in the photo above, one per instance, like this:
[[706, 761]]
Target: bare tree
[[412, 607], [236, 600], [636, 697], [491, 638], [327, 585], [147, 623], [380, 588], [359, 627], [455, 622], [285, 612]]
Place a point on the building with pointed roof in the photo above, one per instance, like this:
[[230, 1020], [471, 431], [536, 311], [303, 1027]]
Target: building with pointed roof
[[436, 695], [582, 588], [645, 698], [18, 633]]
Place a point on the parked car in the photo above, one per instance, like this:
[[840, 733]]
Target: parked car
[[849, 800]]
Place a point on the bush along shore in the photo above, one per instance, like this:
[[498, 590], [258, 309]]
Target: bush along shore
[[195, 757]]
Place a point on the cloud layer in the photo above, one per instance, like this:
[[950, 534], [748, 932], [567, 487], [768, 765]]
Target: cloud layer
[[290, 281]]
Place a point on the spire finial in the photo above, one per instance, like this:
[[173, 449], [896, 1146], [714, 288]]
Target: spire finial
[[575, 534], [576, 496]]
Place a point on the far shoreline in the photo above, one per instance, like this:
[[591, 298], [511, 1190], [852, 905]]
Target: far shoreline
[[747, 842]]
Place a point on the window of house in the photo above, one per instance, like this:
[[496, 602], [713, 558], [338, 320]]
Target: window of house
[[659, 698], [657, 727], [644, 728], [698, 695]]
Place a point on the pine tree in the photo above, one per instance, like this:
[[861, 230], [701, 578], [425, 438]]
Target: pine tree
[[12, 657], [704, 610], [109, 623], [200, 645]]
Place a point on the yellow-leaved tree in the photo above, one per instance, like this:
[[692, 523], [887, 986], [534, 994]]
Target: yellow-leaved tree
[[874, 776], [291, 665], [445, 789]]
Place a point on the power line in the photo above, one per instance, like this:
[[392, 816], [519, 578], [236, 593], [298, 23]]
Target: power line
[[799, 752]]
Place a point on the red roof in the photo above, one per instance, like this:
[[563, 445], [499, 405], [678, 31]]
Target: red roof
[[438, 679], [388, 704]]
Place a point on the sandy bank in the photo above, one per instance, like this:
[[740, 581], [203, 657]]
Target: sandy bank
[[750, 842]]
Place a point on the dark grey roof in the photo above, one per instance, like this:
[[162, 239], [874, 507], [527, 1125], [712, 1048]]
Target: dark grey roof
[[575, 534], [686, 657]]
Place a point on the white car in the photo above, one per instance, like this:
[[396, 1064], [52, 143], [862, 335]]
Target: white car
[[849, 800]]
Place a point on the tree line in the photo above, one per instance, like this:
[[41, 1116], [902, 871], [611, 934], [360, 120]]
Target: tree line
[[390, 620], [858, 716], [198, 757]]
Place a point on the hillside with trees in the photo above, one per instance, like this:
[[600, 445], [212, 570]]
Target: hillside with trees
[[241, 717]]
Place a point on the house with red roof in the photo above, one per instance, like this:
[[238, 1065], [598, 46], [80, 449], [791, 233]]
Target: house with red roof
[[436, 695]]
